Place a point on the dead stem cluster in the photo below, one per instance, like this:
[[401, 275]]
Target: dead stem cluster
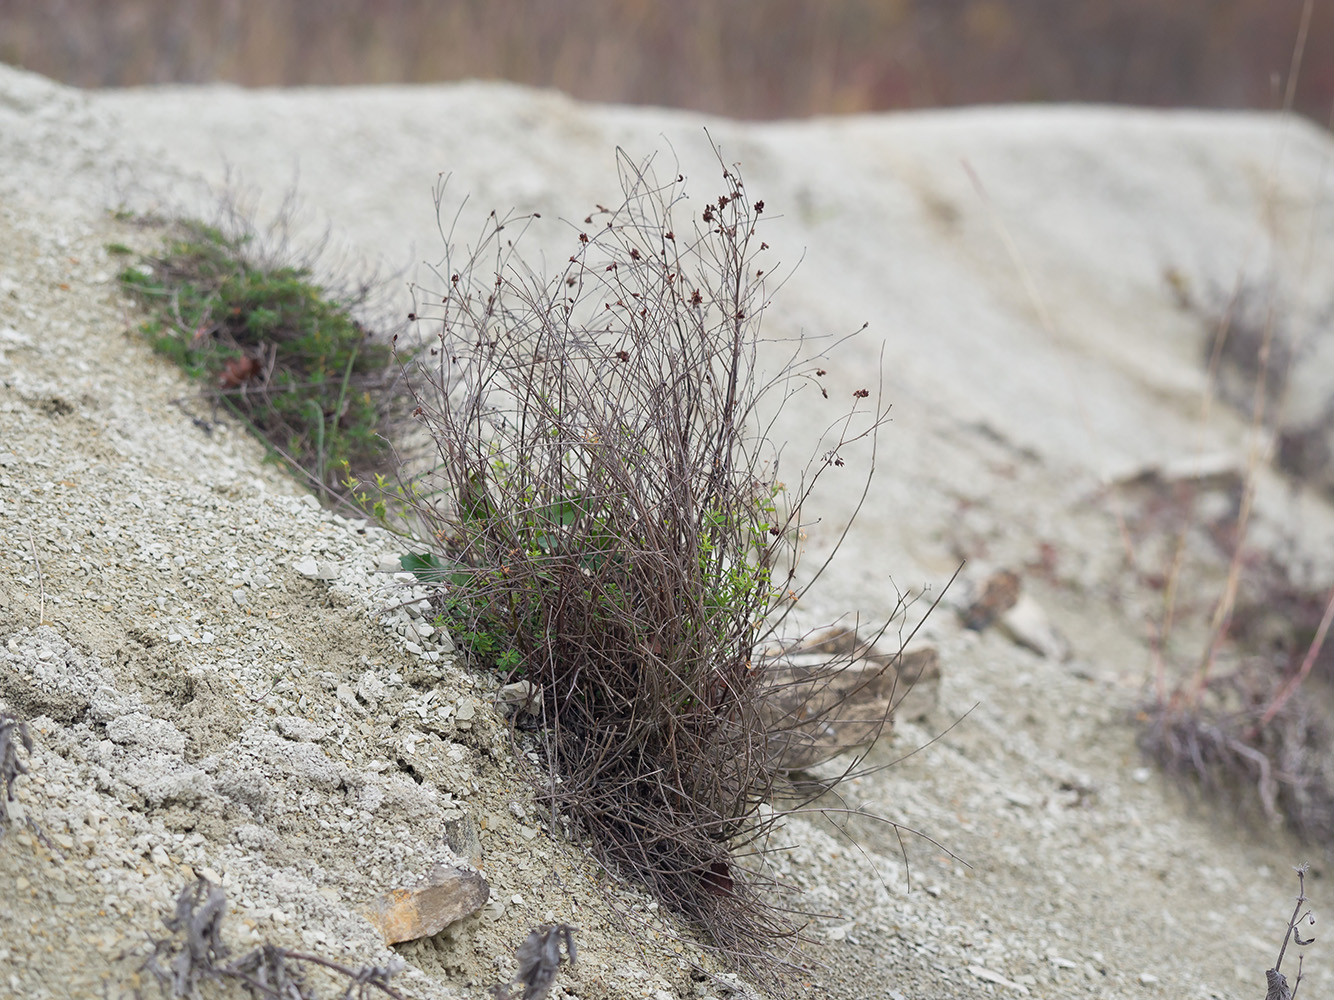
[[1249, 721], [194, 954], [611, 528], [1251, 724]]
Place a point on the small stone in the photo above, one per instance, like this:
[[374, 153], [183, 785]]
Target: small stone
[[835, 692], [465, 710], [307, 567], [462, 837], [301, 730], [447, 895], [370, 689], [521, 696], [995, 977], [1027, 625], [1147, 979], [348, 697]]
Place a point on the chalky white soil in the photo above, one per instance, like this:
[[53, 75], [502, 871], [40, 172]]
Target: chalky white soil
[[218, 681]]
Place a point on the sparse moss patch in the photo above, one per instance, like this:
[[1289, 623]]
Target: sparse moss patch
[[273, 346]]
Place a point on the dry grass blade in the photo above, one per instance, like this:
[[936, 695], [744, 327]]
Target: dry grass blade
[[41, 584]]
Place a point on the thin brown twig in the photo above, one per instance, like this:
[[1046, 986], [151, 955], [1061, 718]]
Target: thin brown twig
[[1308, 661]]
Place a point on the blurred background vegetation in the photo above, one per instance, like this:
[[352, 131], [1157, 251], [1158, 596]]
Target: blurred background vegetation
[[742, 58]]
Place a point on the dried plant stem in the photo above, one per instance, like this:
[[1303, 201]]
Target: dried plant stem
[[41, 586], [1277, 982], [1308, 661], [1256, 454]]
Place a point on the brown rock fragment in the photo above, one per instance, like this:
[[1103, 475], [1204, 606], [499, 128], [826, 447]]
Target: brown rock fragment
[[836, 692], [999, 594], [447, 895]]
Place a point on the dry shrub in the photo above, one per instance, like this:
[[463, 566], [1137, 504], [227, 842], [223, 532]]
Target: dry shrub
[[1251, 724], [1226, 740], [1250, 721], [610, 525]]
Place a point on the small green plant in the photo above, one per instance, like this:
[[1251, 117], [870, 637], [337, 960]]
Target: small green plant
[[609, 522], [283, 354]]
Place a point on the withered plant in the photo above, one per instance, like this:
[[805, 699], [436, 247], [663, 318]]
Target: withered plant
[[1252, 715], [610, 524], [195, 954], [1276, 983], [1249, 722], [13, 734]]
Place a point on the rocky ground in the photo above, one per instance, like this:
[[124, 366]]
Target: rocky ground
[[221, 679]]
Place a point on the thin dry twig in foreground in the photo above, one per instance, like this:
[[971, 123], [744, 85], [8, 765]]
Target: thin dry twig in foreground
[[1277, 982]]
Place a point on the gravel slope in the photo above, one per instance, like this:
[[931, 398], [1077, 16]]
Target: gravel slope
[[202, 701]]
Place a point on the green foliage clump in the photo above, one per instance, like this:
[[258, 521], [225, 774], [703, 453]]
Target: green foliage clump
[[274, 347]]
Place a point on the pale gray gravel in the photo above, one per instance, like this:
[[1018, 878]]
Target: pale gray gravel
[[215, 688]]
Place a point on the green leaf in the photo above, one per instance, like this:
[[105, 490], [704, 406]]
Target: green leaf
[[427, 567]]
